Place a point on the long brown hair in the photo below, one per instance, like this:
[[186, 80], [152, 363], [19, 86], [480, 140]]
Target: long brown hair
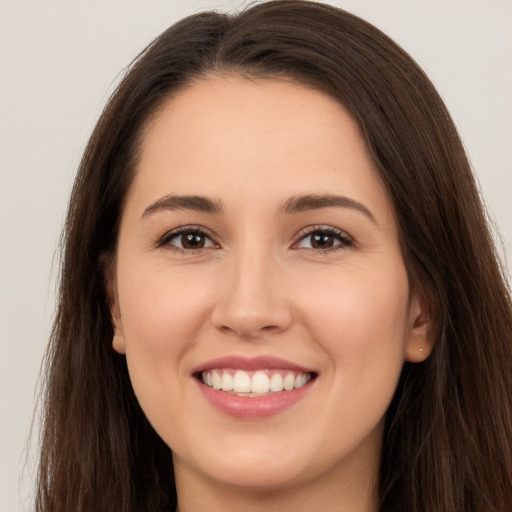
[[448, 435]]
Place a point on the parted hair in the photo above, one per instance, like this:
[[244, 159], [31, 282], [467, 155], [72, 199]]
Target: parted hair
[[448, 436]]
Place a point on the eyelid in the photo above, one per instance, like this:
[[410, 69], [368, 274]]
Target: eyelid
[[163, 241], [347, 240]]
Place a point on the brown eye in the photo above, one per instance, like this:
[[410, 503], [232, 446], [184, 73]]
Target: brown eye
[[325, 239], [193, 240], [187, 240], [322, 241]]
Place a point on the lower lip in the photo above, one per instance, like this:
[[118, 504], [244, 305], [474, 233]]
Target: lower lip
[[255, 407]]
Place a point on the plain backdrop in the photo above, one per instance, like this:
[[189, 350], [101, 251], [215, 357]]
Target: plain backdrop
[[58, 62]]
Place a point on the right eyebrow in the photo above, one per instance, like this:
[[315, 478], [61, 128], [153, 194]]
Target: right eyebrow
[[175, 202]]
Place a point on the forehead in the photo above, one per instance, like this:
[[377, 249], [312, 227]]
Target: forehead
[[248, 111], [228, 136]]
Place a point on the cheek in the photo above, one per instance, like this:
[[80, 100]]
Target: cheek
[[161, 310], [162, 314], [366, 308], [361, 324]]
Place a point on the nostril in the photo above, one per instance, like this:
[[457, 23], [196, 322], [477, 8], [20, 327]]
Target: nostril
[[248, 329], [269, 328]]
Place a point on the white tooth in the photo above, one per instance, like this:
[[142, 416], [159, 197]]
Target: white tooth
[[226, 382], [289, 381], [300, 380], [241, 382], [276, 382], [209, 379], [260, 383], [216, 380]]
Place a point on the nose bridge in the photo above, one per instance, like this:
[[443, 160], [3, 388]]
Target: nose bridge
[[252, 301]]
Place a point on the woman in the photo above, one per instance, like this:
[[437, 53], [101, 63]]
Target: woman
[[279, 290]]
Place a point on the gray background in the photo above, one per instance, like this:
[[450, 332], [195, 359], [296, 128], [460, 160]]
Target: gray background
[[58, 62]]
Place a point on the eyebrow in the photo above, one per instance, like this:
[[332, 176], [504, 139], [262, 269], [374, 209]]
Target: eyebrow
[[175, 202], [297, 204], [308, 202]]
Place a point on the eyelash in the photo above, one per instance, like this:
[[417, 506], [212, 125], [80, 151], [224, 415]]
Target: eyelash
[[165, 240], [345, 241]]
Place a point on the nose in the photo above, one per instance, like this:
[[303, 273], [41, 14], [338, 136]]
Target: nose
[[253, 299]]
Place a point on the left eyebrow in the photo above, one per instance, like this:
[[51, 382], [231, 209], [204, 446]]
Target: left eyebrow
[[176, 202], [308, 202]]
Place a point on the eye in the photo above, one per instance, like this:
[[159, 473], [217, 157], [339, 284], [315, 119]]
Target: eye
[[324, 238], [187, 239]]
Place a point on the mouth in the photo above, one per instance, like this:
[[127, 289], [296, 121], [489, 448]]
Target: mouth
[[262, 382], [252, 388]]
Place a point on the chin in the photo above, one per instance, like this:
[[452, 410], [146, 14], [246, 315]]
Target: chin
[[255, 467], [258, 475]]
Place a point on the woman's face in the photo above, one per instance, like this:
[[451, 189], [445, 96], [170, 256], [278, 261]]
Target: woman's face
[[258, 251]]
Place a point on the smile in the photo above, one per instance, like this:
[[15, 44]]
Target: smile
[[253, 388], [254, 383]]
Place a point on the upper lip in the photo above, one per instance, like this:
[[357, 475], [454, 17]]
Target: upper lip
[[262, 362]]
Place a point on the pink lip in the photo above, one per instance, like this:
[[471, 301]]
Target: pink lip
[[251, 363], [252, 408]]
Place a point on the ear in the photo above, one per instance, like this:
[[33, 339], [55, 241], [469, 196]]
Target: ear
[[419, 342], [118, 341]]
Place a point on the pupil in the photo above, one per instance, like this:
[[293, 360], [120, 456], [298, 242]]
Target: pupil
[[320, 241], [192, 241]]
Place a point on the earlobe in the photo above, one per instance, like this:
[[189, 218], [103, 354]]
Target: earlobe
[[419, 343], [118, 342]]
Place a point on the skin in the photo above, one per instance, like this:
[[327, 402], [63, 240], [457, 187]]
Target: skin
[[259, 287]]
